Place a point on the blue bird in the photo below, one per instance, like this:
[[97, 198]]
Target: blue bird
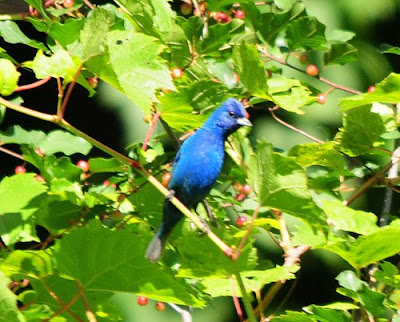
[[197, 166]]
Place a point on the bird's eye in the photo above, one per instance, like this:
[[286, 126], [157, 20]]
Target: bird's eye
[[231, 113]]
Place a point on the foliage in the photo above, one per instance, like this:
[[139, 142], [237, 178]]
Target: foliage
[[96, 231]]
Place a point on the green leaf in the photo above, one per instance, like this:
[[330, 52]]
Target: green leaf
[[218, 5], [322, 313], [92, 37], [339, 35], [387, 91], [11, 33], [284, 4], [250, 69], [220, 35], [17, 205], [102, 268], [280, 183], [368, 249], [306, 33], [99, 165], [8, 302], [60, 64], [292, 316], [68, 32], [388, 274], [65, 142], [8, 77], [347, 219], [340, 54], [135, 60], [361, 131], [16, 134], [289, 94], [319, 154], [392, 50], [372, 301]]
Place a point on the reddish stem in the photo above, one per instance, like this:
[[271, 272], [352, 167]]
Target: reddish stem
[[236, 301], [38, 83], [150, 131], [71, 86]]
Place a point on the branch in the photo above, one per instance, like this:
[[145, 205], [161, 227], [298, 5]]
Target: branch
[[236, 301], [33, 85], [91, 317], [186, 316], [149, 133]]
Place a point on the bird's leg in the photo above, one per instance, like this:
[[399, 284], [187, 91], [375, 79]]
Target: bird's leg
[[206, 228], [170, 195], [210, 214]]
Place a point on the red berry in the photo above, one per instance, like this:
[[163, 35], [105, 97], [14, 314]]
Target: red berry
[[166, 177], [142, 300], [186, 8], [321, 98], [246, 189], [160, 306], [106, 183], [312, 70], [20, 169], [371, 89], [240, 14], [84, 165], [68, 3], [222, 17], [240, 197], [93, 81], [241, 221], [176, 72]]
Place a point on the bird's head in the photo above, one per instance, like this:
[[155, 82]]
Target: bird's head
[[230, 116]]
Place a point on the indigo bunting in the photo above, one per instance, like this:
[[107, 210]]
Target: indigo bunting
[[197, 166]]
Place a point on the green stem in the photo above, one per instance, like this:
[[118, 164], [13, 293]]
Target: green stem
[[246, 301]]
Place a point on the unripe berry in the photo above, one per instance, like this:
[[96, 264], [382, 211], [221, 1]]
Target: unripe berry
[[39, 178], [186, 8], [322, 98], [93, 81], [312, 70], [241, 221], [371, 89], [142, 300], [84, 165], [176, 72], [303, 58], [20, 169], [160, 306], [166, 177]]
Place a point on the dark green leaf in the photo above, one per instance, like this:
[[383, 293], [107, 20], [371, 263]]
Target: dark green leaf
[[11, 33], [326, 314], [16, 134], [388, 274], [340, 54], [98, 165], [280, 183], [292, 316], [306, 33]]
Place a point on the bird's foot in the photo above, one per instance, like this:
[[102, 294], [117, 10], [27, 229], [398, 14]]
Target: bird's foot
[[206, 229], [170, 195]]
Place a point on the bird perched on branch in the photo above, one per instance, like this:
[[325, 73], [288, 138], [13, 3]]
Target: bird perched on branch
[[197, 166]]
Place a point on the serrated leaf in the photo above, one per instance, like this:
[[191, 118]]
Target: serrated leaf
[[340, 54], [387, 91], [392, 50], [289, 94], [368, 249], [361, 131], [388, 274], [328, 314], [99, 165], [12, 34], [8, 77], [323, 154], [250, 69], [280, 183], [60, 64], [65, 142], [103, 269], [17, 205], [134, 58], [372, 301], [291, 316], [96, 26], [8, 302], [347, 219], [306, 33], [68, 32], [16, 134]]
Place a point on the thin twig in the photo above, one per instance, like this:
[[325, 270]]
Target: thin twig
[[149, 133], [186, 316], [247, 235], [91, 317], [36, 84], [89, 4], [272, 111], [236, 301], [245, 299], [61, 110], [12, 153]]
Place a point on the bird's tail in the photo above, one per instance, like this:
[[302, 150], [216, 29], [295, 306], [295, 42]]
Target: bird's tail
[[156, 246], [170, 218]]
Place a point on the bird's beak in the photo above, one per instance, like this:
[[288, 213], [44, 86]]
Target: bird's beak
[[243, 121]]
